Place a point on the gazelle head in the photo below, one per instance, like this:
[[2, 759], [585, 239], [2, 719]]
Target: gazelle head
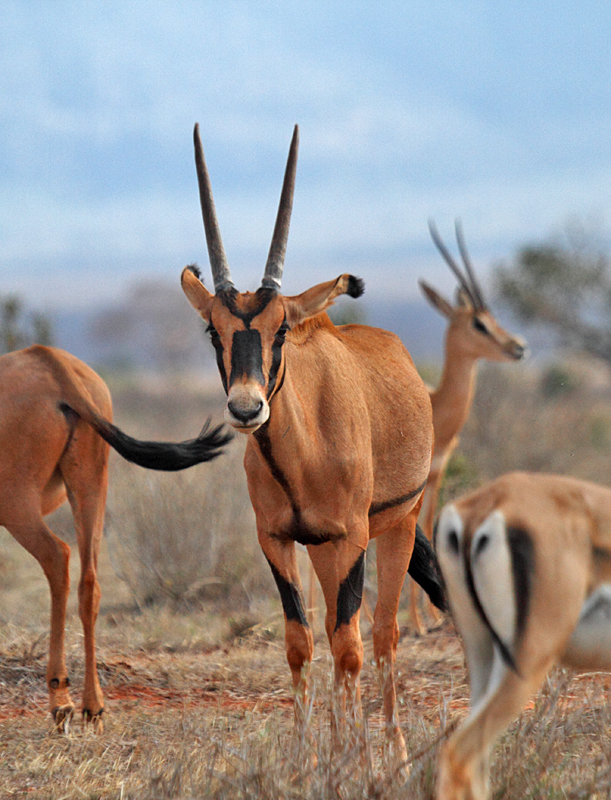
[[248, 329], [473, 329]]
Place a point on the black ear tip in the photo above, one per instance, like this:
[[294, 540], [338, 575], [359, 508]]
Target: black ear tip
[[195, 270], [356, 286]]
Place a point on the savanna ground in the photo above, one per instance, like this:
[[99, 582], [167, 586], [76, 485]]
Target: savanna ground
[[190, 640]]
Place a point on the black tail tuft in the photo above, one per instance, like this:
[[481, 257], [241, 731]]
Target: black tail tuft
[[356, 286], [164, 456], [424, 569]]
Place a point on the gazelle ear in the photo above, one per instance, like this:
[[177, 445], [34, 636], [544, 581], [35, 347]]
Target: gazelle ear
[[436, 300], [197, 294], [320, 297]]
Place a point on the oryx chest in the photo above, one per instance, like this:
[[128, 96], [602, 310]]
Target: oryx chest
[[302, 498]]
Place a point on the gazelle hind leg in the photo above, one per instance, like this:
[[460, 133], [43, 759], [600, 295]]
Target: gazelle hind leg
[[589, 647], [85, 475], [394, 550], [53, 556], [463, 772]]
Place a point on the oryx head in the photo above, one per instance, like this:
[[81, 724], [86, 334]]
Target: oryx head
[[473, 328], [248, 329]]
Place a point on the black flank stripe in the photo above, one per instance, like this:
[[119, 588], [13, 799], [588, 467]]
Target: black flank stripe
[[350, 595], [523, 565], [504, 650], [377, 508], [290, 597]]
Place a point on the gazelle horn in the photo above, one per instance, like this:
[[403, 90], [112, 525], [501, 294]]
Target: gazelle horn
[[216, 252], [272, 279], [472, 291], [467, 262]]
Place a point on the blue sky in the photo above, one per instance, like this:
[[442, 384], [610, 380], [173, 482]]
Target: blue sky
[[497, 113]]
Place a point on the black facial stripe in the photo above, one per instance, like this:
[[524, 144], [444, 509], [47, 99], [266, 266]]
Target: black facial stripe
[[377, 508], [262, 297], [247, 356], [276, 359], [350, 595], [290, 597]]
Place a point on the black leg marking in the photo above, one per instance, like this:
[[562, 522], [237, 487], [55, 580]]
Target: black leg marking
[[290, 597], [350, 595]]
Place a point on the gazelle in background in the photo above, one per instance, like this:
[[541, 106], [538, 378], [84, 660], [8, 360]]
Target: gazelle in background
[[472, 334], [53, 411], [339, 445], [527, 565]]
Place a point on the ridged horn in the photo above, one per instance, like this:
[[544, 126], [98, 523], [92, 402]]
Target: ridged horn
[[471, 289], [477, 291], [221, 276], [272, 279]]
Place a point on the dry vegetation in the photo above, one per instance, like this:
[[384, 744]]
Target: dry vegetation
[[190, 642]]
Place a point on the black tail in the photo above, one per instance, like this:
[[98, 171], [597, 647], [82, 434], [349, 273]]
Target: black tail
[[424, 569], [164, 456]]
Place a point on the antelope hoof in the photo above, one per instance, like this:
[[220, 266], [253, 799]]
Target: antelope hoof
[[62, 716], [396, 755], [93, 720]]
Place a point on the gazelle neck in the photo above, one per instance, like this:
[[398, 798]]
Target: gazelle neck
[[452, 398]]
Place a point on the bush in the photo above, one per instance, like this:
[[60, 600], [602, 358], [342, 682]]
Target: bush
[[186, 537]]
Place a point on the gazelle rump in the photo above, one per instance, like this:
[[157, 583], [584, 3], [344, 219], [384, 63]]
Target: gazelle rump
[[339, 448], [55, 414], [527, 564], [473, 333]]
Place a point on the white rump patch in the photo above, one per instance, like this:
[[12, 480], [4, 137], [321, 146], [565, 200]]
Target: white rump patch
[[590, 645], [491, 566]]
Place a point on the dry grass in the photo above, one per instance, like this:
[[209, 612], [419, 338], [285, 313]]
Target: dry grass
[[197, 687]]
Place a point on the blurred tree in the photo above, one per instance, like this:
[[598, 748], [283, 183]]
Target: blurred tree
[[563, 283], [19, 330]]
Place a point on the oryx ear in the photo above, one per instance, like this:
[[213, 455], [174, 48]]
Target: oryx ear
[[436, 300], [320, 297], [197, 294]]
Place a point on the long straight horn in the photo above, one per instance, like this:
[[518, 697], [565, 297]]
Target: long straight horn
[[477, 291], [272, 279], [451, 263], [216, 252]]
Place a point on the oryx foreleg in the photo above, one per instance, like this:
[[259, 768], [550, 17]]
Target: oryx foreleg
[[340, 567], [299, 643]]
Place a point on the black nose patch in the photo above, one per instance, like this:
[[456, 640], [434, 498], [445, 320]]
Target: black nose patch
[[247, 356]]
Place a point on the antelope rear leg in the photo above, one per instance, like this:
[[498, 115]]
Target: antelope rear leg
[[54, 557], [463, 772], [84, 469]]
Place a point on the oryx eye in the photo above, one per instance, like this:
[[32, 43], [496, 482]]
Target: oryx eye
[[479, 326], [214, 334], [281, 333]]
